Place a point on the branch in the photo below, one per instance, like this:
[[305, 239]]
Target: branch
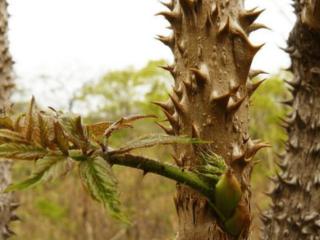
[[177, 174], [53, 139], [180, 175]]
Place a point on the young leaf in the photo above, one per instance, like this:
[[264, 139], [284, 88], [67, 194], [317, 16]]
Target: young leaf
[[212, 159], [125, 122], [30, 120], [210, 169], [99, 180], [56, 165], [60, 138], [30, 182], [11, 136], [6, 122], [48, 168], [155, 139], [96, 132], [14, 151], [74, 130], [28, 124], [17, 122], [213, 166], [98, 129], [46, 131]]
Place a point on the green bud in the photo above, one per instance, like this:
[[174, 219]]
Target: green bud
[[227, 194]]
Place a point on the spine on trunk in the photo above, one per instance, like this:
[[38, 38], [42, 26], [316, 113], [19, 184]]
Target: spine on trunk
[[210, 98]]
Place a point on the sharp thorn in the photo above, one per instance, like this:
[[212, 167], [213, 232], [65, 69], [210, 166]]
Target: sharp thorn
[[257, 26], [223, 25], [252, 87], [195, 132], [169, 5], [167, 130], [168, 41], [201, 77], [170, 69], [249, 16], [179, 107], [254, 73], [164, 106], [172, 17], [221, 99], [172, 120], [254, 147], [234, 106]]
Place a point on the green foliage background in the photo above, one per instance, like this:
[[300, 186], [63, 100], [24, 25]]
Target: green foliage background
[[63, 211]]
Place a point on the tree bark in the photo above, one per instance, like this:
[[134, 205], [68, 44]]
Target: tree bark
[[210, 101], [310, 14], [295, 210], [6, 204]]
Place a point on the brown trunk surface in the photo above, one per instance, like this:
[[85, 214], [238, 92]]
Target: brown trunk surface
[[296, 197], [6, 205], [210, 101]]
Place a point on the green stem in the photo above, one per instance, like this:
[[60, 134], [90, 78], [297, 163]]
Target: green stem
[[180, 175]]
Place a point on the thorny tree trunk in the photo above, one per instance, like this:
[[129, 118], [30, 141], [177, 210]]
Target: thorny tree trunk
[[295, 211], [210, 100], [6, 204]]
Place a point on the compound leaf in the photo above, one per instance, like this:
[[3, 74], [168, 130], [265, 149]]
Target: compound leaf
[[99, 180], [48, 168], [14, 151], [74, 130]]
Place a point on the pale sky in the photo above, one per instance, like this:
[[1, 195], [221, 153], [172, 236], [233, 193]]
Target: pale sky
[[74, 41]]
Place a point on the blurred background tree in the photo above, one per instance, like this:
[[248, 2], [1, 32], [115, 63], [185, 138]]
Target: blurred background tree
[[265, 123], [66, 212], [123, 93], [295, 196], [7, 204]]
